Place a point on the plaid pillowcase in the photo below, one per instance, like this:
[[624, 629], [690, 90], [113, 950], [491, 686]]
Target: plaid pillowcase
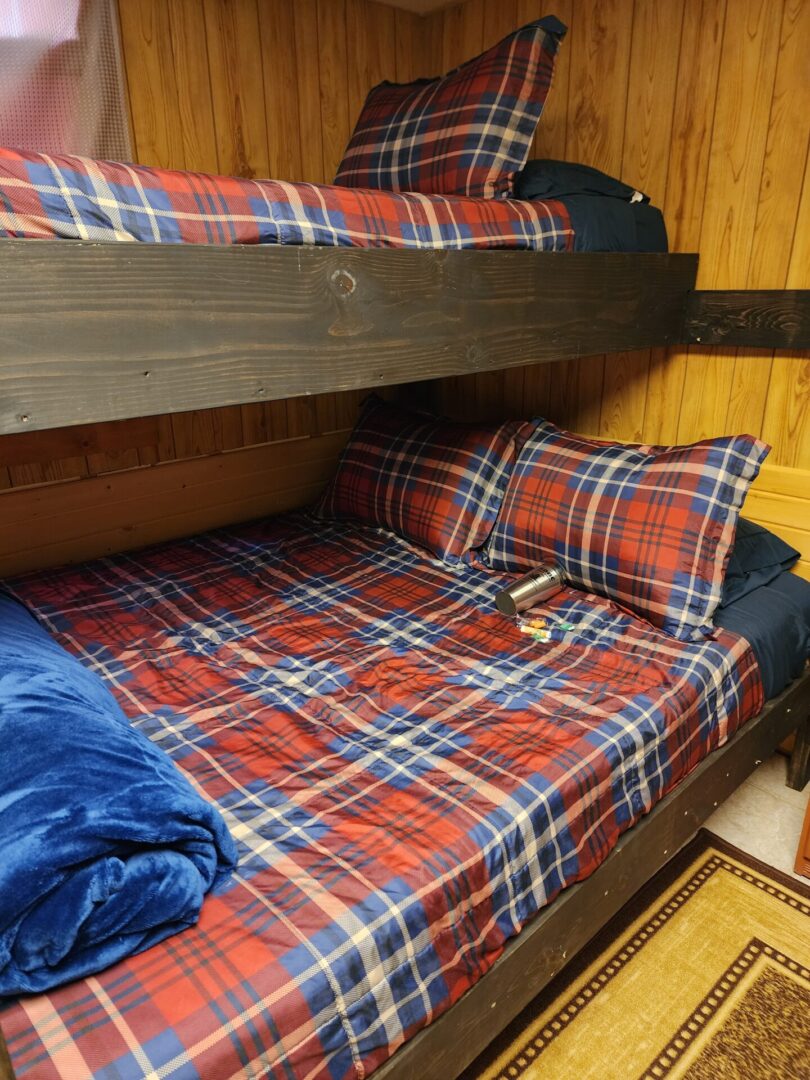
[[650, 527], [436, 483], [464, 133]]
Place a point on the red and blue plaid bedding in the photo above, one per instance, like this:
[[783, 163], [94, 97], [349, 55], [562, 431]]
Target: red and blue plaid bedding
[[649, 526], [464, 133], [47, 196], [409, 778], [428, 480]]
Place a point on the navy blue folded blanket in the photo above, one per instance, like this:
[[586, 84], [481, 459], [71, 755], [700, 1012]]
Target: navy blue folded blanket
[[105, 848], [606, 214]]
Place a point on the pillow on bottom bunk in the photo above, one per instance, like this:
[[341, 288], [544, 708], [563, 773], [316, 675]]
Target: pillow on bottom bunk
[[106, 847], [431, 481], [650, 527]]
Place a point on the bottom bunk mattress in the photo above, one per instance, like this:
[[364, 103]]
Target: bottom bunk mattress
[[409, 778]]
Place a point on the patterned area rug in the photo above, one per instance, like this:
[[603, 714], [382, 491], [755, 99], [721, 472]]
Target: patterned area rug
[[705, 975]]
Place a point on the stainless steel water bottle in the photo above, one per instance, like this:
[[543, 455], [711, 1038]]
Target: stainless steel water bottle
[[538, 585]]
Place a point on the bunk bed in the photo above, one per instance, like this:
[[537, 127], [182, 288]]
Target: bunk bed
[[183, 326], [98, 330]]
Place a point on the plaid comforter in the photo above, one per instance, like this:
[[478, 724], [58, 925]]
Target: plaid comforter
[[409, 778], [47, 195]]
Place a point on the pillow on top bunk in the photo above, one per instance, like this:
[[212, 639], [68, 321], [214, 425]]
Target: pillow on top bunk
[[650, 527], [464, 133], [436, 483]]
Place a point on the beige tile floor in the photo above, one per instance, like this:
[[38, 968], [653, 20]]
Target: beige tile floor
[[764, 817]]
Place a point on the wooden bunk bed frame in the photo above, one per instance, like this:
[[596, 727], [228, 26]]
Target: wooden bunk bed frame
[[96, 332]]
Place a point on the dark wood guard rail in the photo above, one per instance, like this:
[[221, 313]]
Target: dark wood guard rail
[[92, 332], [750, 318]]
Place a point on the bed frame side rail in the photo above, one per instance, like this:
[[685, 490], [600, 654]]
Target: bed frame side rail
[[749, 318], [94, 332]]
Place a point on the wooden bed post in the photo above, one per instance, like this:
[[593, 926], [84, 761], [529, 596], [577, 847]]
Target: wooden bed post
[[799, 761]]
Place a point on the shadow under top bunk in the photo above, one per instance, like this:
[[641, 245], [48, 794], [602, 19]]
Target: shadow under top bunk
[[99, 329]]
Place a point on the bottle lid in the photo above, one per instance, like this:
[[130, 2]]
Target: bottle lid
[[505, 603]]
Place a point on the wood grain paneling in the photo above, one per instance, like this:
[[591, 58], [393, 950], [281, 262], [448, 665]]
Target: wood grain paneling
[[39, 447], [705, 104], [647, 137], [98, 515], [779, 500]]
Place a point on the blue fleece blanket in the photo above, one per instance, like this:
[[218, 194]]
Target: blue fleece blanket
[[105, 848]]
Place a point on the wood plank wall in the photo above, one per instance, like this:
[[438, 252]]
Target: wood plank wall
[[245, 87], [705, 105]]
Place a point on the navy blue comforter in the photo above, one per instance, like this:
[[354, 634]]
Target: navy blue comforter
[[105, 848]]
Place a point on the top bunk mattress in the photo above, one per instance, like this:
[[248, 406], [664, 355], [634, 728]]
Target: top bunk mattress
[[408, 776], [48, 196]]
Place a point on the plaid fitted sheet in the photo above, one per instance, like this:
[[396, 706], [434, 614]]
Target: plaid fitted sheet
[[409, 778], [58, 196]]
